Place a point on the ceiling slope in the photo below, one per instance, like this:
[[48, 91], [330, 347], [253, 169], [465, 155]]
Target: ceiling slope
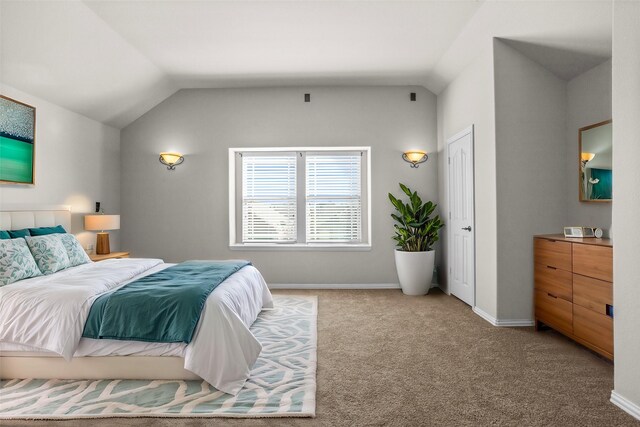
[[543, 30], [62, 52], [114, 60]]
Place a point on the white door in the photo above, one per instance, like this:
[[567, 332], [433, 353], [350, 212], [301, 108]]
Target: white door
[[461, 226]]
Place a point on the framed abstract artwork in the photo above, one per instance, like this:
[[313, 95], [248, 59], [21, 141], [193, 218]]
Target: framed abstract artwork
[[17, 142]]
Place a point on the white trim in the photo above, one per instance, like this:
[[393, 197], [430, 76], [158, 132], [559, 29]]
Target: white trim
[[291, 149], [515, 323], [464, 132], [625, 404], [467, 131], [503, 323], [335, 286], [232, 196], [362, 286], [300, 247], [486, 316], [369, 177]]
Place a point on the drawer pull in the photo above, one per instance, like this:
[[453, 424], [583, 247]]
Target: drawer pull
[[553, 268], [551, 295], [609, 310]]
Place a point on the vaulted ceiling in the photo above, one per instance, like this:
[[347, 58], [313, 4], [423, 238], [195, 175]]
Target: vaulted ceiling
[[114, 60]]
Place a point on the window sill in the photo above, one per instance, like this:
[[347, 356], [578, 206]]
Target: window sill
[[323, 247]]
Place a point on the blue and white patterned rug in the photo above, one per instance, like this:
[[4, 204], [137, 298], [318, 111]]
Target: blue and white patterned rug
[[282, 383]]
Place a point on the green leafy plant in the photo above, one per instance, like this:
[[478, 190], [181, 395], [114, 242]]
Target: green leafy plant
[[415, 230]]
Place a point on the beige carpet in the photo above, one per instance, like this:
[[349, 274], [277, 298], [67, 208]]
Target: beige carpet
[[388, 359]]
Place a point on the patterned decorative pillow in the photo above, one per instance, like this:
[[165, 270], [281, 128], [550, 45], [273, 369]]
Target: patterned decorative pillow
[[49, 253], [16, 262], [76, 253]]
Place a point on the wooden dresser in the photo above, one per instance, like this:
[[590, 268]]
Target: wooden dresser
[[574, 289]]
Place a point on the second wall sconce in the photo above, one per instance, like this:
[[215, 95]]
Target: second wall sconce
[[171, 160], [415, 157]]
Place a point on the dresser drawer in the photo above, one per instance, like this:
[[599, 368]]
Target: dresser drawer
[[554, 311], [591, 293], [553, 253], [554, 281], [593, 261], [594, 328]]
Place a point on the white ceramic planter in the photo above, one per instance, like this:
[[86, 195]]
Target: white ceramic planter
[[415, 271]]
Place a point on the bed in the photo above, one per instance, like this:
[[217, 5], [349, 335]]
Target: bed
[[42, 320]]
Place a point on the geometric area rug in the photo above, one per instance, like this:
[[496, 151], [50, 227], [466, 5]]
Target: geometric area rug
[[282, 382]]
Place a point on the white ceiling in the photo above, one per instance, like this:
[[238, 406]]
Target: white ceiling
[[114, 60]]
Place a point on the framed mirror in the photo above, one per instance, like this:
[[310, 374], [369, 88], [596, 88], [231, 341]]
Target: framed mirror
[[595, 144]]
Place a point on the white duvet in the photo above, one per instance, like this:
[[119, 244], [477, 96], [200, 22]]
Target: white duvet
[[48, 313]]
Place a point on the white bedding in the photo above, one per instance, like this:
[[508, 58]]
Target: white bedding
[[46, 315]]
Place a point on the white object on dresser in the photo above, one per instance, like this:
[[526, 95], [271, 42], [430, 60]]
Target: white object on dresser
[[579, 232]]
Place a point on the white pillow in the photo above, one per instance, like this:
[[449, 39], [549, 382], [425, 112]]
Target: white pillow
[[16, 262], [75, 252], [49, 253]]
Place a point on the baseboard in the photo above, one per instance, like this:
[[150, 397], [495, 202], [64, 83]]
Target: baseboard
[[486, 316], [625, 404], [334, 286], [505, 323], [338, 285]]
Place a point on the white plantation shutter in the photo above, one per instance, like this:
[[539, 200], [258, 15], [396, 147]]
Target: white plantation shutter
[[269, 198], [334, 197]]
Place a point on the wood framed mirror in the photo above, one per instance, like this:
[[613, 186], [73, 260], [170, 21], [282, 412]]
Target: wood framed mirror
[[595, 145]]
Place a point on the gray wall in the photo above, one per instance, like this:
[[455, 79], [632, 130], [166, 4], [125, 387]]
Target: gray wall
[[77, 164], [530, 106], [184, 214], [588, 102], [626, 151], [469, 100]]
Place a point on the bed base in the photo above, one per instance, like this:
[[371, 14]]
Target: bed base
[[95, 368]]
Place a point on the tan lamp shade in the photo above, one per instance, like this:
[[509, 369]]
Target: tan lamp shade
[[414, 156], [587, 157], [101, 222], [170, 158]]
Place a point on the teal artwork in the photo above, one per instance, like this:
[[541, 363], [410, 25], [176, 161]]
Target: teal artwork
[[601, 184], [17, 141]]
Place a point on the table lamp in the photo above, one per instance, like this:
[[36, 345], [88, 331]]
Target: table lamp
[[101, 223]]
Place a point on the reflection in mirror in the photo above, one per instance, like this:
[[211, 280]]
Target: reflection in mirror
[[595, 143]]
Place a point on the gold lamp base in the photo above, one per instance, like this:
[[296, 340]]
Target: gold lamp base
[[102, 244]]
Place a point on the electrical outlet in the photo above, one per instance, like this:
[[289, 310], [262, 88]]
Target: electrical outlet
[[90, 247]]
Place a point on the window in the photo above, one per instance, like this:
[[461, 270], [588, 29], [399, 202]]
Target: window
[[269, 198], [334, 197], [299, 198]]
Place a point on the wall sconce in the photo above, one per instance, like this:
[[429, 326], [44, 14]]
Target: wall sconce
[[586, 158], [415, 157], [171, 160]]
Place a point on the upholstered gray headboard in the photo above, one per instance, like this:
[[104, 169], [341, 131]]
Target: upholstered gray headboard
[[17, 217]]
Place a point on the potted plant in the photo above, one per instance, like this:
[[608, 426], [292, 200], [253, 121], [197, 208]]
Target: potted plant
[[416, 232]]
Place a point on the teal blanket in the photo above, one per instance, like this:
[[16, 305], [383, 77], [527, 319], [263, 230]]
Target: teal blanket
[[162, 307]]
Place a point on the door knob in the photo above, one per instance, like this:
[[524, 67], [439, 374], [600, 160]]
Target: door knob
[[468, 228]]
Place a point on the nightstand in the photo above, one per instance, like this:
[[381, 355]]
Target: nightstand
[[112, 255]]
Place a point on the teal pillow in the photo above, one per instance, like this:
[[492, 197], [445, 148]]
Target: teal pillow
[[4, 235], [49, 253], [75, 252], [16, 262], [19, 233], [43, 231]]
